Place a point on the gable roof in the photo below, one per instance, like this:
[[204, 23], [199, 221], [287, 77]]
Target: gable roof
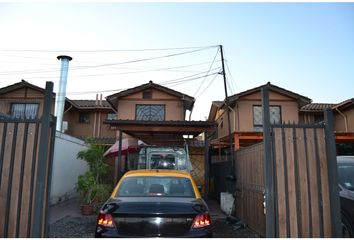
[[88, 104], [19, 85], [302, 100], [188, 100], [316, 107], [344, 104]]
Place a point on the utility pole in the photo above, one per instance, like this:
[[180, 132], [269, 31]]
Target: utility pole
[[232, 155]]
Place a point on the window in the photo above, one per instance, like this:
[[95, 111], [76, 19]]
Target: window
[[274, 114], [150, 112], [147, 94], [24, 110], [84, 117], [111, 116]]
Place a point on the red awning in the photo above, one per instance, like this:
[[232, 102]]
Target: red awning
[[128, 145]]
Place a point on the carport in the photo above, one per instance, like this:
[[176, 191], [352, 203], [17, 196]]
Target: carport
[[163, 133]]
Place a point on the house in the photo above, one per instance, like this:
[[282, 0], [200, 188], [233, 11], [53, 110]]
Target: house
[[343, 115], [23, 100], [285, 106], [246, 114], [84, 118], [156, 115]]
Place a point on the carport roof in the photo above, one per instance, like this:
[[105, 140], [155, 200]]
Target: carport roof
[[162, 133]]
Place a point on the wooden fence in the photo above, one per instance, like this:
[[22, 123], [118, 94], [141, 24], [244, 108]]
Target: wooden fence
[[250, 187], [26, 154]]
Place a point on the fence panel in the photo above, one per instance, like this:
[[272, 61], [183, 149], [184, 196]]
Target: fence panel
[[250, 187], [26, 148], [301, 182]]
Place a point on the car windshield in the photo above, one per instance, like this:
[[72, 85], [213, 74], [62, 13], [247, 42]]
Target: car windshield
[[150, 186], [346, 175]]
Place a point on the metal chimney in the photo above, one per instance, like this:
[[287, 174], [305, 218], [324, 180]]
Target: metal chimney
[[60, 99]]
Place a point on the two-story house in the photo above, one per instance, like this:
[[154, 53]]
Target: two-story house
[[82, 118], [343, 115], [23, 100], [156, 115], [246, 114]]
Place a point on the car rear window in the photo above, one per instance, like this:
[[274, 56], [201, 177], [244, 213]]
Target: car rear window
[[150, 186]]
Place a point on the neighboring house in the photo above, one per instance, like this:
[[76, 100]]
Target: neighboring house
[[155, 114], [84, 118], [246, 114], [23, 100], [343, 115]]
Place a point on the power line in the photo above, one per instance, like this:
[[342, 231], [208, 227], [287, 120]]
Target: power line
[[104, 50], [208, 72]]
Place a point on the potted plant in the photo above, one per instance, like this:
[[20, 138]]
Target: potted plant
[[90, 185]]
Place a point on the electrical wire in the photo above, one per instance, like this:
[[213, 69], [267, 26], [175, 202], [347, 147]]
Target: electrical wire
[[208, 72]]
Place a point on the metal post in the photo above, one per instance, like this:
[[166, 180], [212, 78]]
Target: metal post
[[332, 174], [232, 154], [43, 155], [206, 167], [268, 165], [119, 163]]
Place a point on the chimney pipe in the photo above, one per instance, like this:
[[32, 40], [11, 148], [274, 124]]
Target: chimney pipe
[[60, 100]]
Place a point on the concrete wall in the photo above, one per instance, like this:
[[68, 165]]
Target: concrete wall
[[66, 167]]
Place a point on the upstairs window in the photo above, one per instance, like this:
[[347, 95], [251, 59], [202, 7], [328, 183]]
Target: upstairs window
[[150, 112], [147, 94], [84, 117], [274, 114], [27, 111]]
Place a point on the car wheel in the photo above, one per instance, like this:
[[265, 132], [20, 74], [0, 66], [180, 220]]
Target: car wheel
[[347, 230]]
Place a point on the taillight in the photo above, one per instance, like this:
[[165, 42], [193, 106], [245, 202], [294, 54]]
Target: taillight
[[201, 220], [105, 220]]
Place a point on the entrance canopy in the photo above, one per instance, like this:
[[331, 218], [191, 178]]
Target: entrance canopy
[[163, 133]]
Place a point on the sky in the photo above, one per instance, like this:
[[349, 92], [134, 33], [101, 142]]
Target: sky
[[307, 48]]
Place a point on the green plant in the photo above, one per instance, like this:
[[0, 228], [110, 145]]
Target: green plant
[[90, 185]]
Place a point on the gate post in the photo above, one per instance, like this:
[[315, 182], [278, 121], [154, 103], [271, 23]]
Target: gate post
[[332, 174], [39, 226], [268, 165]]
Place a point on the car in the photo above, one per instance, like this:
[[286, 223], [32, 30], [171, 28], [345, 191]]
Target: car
[[155, 203], [346, 193]]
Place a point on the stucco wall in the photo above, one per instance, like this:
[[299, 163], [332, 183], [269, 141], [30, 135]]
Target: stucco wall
[[241, 118], [173, 106], [23, 95], [66, 167], [339, 120]]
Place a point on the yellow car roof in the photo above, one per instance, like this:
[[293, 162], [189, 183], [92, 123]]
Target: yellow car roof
[[157, 172]]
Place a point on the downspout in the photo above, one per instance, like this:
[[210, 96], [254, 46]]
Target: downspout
[[345, 119]]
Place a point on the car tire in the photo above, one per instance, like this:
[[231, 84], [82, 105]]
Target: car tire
[[347, 229]]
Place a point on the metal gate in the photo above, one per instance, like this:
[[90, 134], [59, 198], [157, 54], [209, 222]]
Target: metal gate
[[300, 169], [26, 155]]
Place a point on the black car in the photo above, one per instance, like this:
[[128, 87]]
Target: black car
[[346, 193], [155, 203]]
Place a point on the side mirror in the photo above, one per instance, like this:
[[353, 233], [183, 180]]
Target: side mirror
[[200, 189]]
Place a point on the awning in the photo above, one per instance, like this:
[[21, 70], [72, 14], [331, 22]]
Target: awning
[[128, 145]]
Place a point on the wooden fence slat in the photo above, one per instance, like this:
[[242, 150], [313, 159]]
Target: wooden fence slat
[[324, 186], [303, 183], [313, 184], [292, 203]]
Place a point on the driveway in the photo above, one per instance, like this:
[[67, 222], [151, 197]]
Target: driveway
[[66, 221]]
